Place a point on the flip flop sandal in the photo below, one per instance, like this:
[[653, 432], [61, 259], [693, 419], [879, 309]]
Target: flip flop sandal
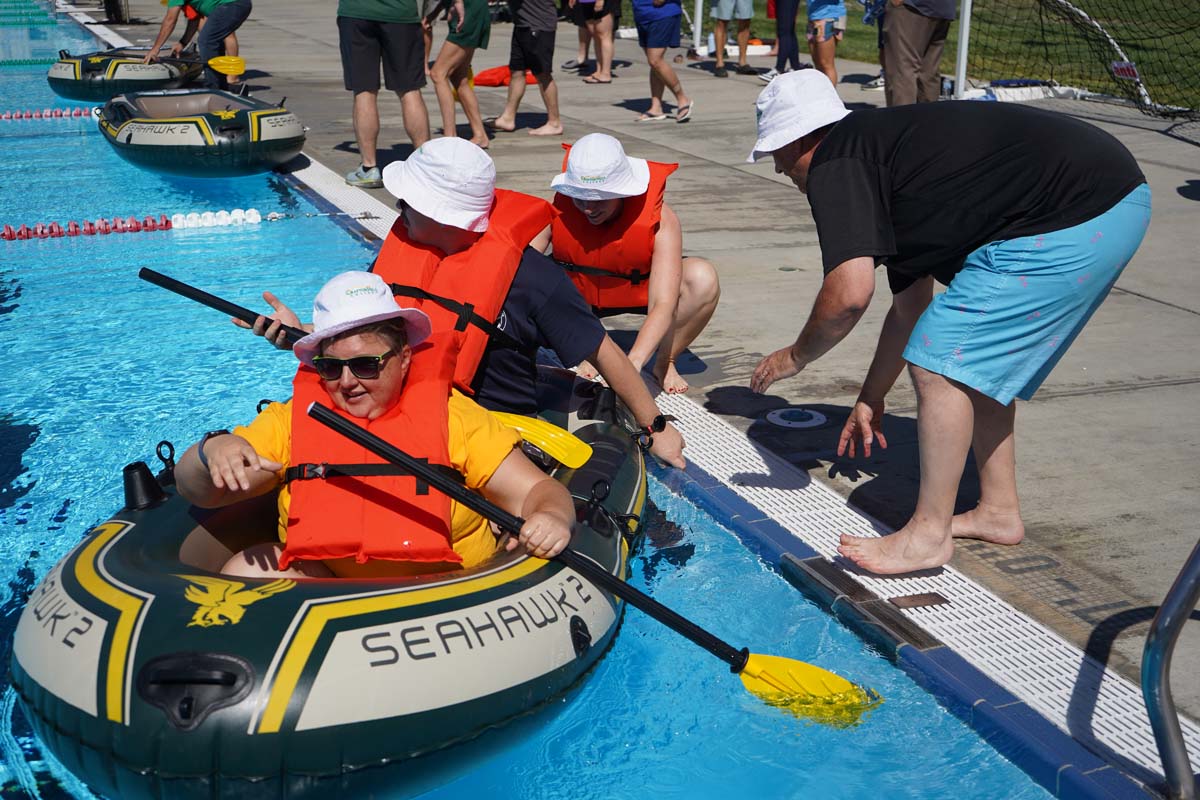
[[684, 113], [652, 118]]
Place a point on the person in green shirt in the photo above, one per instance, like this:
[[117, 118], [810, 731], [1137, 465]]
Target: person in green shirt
[[221, 19]]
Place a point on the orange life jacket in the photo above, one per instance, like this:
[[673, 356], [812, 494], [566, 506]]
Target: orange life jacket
[[610, 263], [347, 501], [465, 292]]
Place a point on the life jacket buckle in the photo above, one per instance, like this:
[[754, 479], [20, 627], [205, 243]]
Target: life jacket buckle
[[308, 472]]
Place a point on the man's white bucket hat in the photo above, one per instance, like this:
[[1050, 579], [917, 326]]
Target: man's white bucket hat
[[449, 180], [351, 300], [791, 107], [598, 169]]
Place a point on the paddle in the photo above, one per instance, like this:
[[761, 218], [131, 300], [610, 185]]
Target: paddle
[[228, 65], [802, 689], [569, 449]]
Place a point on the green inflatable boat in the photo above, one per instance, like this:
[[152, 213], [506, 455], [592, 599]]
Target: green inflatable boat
[[105, 74], [149, 674]]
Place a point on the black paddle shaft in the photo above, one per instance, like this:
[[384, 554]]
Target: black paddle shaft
[[736, 659], [212, 301]]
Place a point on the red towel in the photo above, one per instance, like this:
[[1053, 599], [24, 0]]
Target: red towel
[[499, 76]]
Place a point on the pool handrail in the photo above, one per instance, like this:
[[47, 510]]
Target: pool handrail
[[1176, 607]]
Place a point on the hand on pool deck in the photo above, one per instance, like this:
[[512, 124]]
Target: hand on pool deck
[[777, 366], [271, 328], [667, 446]]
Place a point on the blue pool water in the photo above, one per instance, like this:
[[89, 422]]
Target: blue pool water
[[101, 366]]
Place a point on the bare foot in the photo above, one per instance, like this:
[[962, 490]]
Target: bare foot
[[501, 124], [481, 142], [670, 379], [548, 130], [906, 550], [586, 370], [990, 525]]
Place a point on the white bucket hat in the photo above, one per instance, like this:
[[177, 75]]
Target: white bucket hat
[[791, 107], [449, 180], [351, 300], [598, 169]]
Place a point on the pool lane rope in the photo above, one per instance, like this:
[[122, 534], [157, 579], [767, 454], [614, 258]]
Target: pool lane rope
[[149, 223], [47, 113]]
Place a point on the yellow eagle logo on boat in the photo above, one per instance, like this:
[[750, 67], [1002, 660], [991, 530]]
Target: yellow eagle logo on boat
[[223, 601], [226, 114]]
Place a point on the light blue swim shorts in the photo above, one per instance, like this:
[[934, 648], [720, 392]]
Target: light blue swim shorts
[[732, 9], [1007, 318]]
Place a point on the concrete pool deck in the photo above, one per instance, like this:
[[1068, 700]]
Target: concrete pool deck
[[1107, 477]]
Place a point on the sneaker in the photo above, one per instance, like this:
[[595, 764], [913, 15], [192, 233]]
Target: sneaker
[[769, 75], [365, 178], [720, 72], [875, 84]]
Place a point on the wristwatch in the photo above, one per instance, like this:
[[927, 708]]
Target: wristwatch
[[658, 424], [204, 440]]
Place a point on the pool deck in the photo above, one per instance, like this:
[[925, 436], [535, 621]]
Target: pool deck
[[1107, 473]]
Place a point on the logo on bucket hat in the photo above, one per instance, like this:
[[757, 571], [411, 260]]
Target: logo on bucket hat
[[354, 299], [598, 169]]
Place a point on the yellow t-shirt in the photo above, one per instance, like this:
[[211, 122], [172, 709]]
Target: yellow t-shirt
[[478, 443]]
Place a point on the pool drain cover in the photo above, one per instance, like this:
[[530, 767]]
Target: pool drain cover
[[796, 417]]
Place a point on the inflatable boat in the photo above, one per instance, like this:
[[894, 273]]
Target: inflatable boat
[[201, 133], [101, 75], [149, 674]]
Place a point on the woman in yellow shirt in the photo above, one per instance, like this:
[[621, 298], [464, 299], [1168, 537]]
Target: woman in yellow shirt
[[362, 350]]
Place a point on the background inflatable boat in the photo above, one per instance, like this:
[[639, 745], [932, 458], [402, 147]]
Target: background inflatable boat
[[101, 75]]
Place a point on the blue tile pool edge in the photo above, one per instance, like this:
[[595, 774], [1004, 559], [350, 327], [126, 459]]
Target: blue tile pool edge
[[1055, 760]]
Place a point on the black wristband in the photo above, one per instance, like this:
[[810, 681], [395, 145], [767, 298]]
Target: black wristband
[[203, 440]]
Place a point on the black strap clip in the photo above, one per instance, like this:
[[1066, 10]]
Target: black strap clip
[[308, 472]]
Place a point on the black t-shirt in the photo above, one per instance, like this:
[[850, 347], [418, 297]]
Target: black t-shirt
[[543, 309], [920, 186]]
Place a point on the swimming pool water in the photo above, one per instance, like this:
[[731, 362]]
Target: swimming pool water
[[101, 366]]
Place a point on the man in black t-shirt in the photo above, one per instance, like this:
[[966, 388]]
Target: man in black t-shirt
[[1027, 216]]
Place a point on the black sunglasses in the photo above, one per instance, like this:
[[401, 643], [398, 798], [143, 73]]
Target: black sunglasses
[[366, 368]]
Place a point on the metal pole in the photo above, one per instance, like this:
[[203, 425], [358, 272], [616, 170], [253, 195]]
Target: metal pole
[[1156, 677], [960, 63], [698, 27]]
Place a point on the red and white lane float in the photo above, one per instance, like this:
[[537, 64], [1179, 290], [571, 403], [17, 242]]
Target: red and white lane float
[[45, 113], [133, 224]]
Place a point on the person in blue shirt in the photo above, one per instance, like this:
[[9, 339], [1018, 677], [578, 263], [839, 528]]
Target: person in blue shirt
[[657, 24]]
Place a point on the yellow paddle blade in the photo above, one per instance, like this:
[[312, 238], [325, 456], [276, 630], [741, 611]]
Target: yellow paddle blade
[[566, 447], [807, 691], [228, 65]]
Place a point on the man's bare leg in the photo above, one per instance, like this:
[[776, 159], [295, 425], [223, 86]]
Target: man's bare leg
[[662, 75], [945, 421], [507, 121], [720, 36], [366, 126], [743, 40], [549, 89], [997, 518], [699, 292], [416, 117]]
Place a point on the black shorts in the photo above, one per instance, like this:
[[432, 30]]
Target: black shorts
[[532, 51], [365, 42], [582, 12]]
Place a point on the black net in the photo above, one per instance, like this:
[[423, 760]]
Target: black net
[[1146, 51]]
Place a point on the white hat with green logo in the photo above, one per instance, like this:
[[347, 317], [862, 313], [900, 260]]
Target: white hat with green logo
[[598, 169], [354, 299]]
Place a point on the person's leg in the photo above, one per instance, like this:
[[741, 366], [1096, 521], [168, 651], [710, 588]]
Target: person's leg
[[232, 49], [743, 40], [449, 59], [720, 34], [427, 39], [585, 38], [404, 73], [602, 37], [416, 117], [902, 30], [929, 82], [699, 292], [945, 423], [666, 76], [262, 561], [366, 127], [653, 56], [822, 45], [466, 95], [997, 518], [517, 57], [549, 89], [785, 32]]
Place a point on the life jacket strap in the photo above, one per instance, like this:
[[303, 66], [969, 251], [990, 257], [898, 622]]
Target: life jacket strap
[[324, 471], [465, 311], [635, 277]]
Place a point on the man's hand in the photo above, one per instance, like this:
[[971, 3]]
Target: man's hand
[[544, 535], [176, 49], [229, 457], [271, 328], [461, 13], [863, 424], [667, 446], [151, 57], [777, 366]]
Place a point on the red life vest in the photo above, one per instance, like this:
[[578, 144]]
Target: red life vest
[[375, 516], [465, 292], [614, 257]]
